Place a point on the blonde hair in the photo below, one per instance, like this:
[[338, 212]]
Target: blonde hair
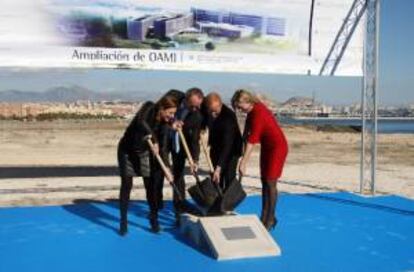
[[242, 95]]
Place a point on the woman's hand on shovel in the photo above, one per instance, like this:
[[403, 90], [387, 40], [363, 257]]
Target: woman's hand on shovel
[[242, 168], [156, 148], [176, 125]]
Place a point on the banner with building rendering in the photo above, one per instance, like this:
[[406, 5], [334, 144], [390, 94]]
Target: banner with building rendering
[[269, 36]]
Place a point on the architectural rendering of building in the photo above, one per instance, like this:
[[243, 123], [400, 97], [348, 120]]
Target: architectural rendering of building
[[214, 23], [225, 30], [162, 25], [275, 26], [167, 26], [272, 26], [137, 28]]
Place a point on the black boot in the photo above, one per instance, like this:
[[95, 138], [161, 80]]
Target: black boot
[[161, 204], [155, 225], [178, 210], [177, 219], [126, 186], [123, 227]]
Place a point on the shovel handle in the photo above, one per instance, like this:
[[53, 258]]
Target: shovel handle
[[188, 153], [160, 161], [204, 146], [164, 168], [185, 145], [210, 165]]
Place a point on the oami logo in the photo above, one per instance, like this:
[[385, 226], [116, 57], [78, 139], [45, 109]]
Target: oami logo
[[164, 57]]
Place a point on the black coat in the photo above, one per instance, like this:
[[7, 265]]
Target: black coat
[[225, 139], [143, 124]]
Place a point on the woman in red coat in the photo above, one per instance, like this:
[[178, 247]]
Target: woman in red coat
[[262, 128]]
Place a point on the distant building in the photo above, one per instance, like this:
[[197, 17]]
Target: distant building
[[272, 26], [202, 15], [225, 30], [168, 26], [137, 28], [275, 27], [74, 30], [304, 106], [247, 20], [20, 110], [32, 110], [215, 23], [162, 25]]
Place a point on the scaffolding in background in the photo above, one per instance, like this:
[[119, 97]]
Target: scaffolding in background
[[369, 116]]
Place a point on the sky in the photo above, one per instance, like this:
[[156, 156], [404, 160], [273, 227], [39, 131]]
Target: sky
[[396, 81]]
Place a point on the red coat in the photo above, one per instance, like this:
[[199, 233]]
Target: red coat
[[263, 128]]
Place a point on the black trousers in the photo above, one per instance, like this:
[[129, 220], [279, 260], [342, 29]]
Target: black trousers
[[153, 188], [228, 173], [178, 172]]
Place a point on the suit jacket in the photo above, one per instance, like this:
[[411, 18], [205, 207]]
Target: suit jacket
[[193, 121], [225, 138]]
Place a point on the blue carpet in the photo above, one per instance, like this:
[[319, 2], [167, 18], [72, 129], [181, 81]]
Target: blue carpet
[[317, 232]]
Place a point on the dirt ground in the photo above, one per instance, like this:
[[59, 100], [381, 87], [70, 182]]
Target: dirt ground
[[46, 163]]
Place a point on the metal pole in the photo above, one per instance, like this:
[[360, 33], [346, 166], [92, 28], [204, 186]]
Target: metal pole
[[377, 46], [311, 27], [343, 37], [363, 107], [369, 103]]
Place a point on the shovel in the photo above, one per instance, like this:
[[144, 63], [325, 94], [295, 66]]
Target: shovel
[[164, 168], [203, 192], [210, 165], [231, 197]]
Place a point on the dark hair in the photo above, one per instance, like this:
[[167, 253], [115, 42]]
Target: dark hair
[[194, 91], [166, 102], [176, 93]]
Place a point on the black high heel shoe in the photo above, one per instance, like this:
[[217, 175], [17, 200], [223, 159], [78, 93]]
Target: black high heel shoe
[[123, 228], [271, 224], [177, 220], [155, 226], [263, 220]]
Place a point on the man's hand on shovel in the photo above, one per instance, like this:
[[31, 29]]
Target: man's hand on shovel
[[194, 168], [216, 175]]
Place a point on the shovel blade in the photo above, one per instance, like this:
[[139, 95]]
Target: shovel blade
[[204, 193], [232, 196]]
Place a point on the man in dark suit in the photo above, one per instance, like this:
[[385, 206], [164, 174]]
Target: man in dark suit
[[225, 140], [190, 118]]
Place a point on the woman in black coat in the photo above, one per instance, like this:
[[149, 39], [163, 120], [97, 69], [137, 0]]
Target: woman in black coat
[[135, 157]]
